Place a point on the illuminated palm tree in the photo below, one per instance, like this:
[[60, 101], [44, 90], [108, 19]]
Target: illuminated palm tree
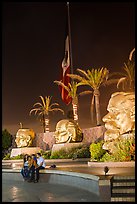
[[72, 93], [94, 78], [43, 109], [128, 79]]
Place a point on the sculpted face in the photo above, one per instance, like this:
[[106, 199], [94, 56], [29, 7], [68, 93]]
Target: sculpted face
[[121, 117], [67, 131], [24, 137]]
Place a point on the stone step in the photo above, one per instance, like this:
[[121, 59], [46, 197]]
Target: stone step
[[130, 189], [124, 195], [132, 199], [123, 189], [124, 184], [123, 177], [123, 180]]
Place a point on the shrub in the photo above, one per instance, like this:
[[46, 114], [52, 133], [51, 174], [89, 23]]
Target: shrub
[[83, 152], [107, 157], [46, 154], [125, 150], [72, 153], [18, 157], [7, 157], [96, 150], [60, 154], [6, 139]]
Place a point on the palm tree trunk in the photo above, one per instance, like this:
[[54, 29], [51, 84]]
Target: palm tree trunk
[[97, 105], [92, 109], [75, 112], [46, 124], [43, 123]]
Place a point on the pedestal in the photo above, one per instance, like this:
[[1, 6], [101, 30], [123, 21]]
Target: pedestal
[[24, 150]]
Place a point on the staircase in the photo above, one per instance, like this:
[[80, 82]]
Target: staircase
[[123, 189]]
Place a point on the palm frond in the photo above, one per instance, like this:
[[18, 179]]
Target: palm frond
[[110, 82], [54, 104], [115, 74], [129, 68], [38, 103], [128, 78], [60, 83], [83, 83], [84, 74], [57, 109], [85, 92], [121, 80], [91, 77], [75, 76], [42, 98], [73, 89], [48, 101], [35, 110], [40, 113], [131, 53]]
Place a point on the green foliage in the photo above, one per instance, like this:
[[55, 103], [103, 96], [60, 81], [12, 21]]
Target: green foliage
[[60, 154], [46, 154], [83, 152], [18, 157], [6, 139], [72, 153], [125, 150], [97, 151], [107, 157], [7, 157]]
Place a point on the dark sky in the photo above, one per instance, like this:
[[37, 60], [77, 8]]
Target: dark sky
[[102, 35]]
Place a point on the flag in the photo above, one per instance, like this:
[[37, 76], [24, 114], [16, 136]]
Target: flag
[[65, 71]]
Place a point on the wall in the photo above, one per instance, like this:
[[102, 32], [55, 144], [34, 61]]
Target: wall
[[46, 140]]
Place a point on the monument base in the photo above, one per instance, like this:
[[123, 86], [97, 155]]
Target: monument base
[[66, 146], [24, 150]]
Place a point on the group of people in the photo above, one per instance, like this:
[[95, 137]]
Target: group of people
[[31, 166]]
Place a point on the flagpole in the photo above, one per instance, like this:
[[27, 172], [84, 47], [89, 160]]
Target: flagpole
[[69, 33]]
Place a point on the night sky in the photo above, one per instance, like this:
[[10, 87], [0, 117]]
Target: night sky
[[33, 37]]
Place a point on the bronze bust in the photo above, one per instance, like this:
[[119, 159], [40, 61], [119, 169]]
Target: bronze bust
[[67, 131]]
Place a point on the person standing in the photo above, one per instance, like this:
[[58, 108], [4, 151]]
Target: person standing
[[41, 165]]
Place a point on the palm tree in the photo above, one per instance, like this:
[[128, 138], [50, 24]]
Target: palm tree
[[43, 109], [128, 79], [94, 78], [72, 93]]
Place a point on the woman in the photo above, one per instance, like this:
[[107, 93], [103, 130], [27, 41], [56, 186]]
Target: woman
[[33, 165], [25, 168]]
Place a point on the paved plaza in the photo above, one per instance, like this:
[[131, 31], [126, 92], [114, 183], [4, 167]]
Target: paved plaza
[[17, 190]]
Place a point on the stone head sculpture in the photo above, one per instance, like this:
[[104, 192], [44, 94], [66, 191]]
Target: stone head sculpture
[[120, 120], [68, 131], [24, 137]]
